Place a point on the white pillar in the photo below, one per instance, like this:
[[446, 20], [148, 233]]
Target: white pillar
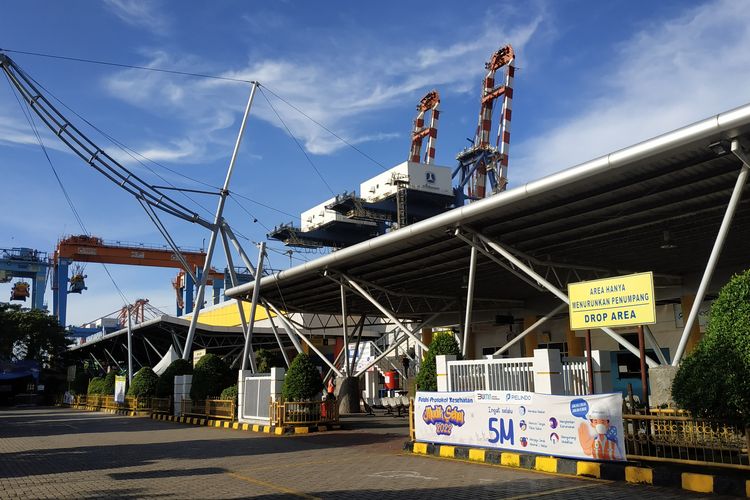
[[182, 386], [371, 383], [241, 374], [441, 369], [602, 363], [548, 376], [277, 382]]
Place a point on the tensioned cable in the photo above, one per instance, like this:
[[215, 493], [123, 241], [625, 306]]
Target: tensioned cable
[[128, 66], [200, 75], [309, 160], [355, 148], [29, 118], [124, 147]]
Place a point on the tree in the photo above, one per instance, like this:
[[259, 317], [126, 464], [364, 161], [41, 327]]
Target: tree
[[442, 343], [96, 386], [210, 377], [265, 360], [30, 334], [713, 381], [303, 380], [108, 385], [165, 385], [144, 383]]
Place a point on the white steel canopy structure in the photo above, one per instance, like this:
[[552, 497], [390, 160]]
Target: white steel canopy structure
[[608, 216]]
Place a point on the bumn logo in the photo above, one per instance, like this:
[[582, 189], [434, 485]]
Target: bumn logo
[[430, 177]]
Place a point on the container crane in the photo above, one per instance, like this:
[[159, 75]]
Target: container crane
[[85, 248], [25, 263], [429, 102], [482, 162]]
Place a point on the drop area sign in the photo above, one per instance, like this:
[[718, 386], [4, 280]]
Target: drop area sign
[[612, 302]]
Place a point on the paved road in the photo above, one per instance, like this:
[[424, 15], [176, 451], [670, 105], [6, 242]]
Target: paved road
[[63, 453]]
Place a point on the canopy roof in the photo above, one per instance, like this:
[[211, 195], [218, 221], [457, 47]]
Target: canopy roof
[[610, 212]]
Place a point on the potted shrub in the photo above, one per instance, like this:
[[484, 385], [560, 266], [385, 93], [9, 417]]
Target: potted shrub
[[442, 343], [144, 383]]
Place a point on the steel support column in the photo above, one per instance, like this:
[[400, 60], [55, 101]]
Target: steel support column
[[713, 259], [556, 291], [344, 328], [469, 300], [652, 340], [248, 351], [218, 222], [399, 341], [278, 340], [530, 329], [386, 312], [130, 348]]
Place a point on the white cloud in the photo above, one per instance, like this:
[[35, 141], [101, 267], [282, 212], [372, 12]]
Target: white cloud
[[336, 93], [668, 75], [141, 13]]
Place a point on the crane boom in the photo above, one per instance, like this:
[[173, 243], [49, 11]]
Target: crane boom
[[89, 152]]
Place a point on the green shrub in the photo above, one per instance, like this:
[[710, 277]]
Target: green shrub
[[108, 386], [265, 360], [144, 383], [713, 380], [165, 385], [96, 386], [210, 377], [230, 393], [302, 381], [442, 343]]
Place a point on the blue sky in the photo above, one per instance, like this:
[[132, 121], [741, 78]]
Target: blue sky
[[593, 77]]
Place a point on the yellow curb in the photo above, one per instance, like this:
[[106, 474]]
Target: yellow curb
[[546, 464], [256, 428], [217, 423], [322, 428], [245, 427], [278, 431], [639, 475], [210, 423], [420, 448], [267, 429], [510, 459], [226, 425], [235, 425], [747, 488], [301, 430], [202, 421], [477, 455], [447, 451], [590, 469], [702, 483]]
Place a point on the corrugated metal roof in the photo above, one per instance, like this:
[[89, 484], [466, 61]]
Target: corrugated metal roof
[[610, 212]]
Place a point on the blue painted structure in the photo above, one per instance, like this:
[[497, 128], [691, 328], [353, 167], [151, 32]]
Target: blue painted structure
[[26, 263]]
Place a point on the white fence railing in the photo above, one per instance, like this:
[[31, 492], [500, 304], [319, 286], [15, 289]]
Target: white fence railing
[[491, 375], [575, 376], [546, 372]]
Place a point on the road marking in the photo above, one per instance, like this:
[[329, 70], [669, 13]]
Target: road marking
[[409, 474], [272, 486], [550, 492]]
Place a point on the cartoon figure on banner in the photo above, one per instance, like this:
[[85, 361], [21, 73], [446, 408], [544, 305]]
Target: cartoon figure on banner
[[598, 438]]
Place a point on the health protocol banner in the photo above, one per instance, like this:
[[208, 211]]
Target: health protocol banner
[[587, 427]]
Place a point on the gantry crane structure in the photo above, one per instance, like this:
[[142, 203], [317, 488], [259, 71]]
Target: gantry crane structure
[[481, 162], [25, 263], [156, 200], [84, 248]]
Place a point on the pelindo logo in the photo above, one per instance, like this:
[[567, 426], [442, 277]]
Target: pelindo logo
[[430, 177], [443, 419], [517, 397]]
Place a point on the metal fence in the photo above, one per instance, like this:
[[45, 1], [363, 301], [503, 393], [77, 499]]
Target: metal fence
[[99, 401], [306, 412], [491, 375], [161, 405], [255, 397], [575, 376], [210, 408], [676, 436]]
